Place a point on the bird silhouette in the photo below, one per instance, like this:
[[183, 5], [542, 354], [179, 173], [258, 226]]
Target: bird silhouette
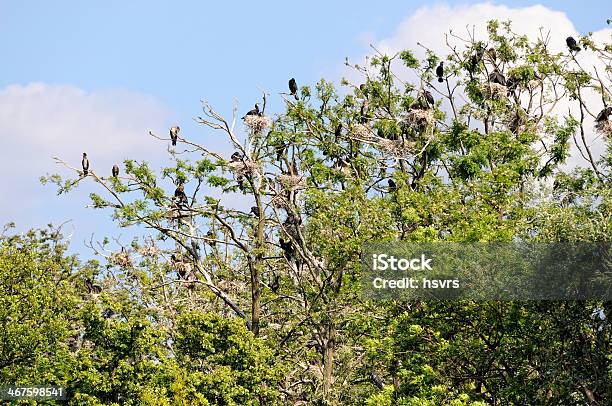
[[240, 182], [85, 164], [480, 51], [497, 77], [364, 112], [211, 236], [428, 97], [293, 88], [492, 54], [280, 150], [392, 185], [512, 84], [179, 194], [440, 72], [115, 171], [174, 131], [572, 44], [275, 283], [255, 211], [92, 288], [604, 114], [180, 267], [236, 157], [254, 112], [287, 247], [338, 131]]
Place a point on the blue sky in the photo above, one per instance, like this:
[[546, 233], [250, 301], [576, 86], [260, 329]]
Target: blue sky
[[166, 57], [183, 51]]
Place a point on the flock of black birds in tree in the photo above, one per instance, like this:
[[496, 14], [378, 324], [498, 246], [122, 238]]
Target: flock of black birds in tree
[[424, 101]]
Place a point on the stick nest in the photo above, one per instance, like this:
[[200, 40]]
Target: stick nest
[[362, 131], [149, 251], [397, 148], [280, 202], [494, 90], [292, 181], [257, 123], [121, 258], [243, 168], [419, 117], [604, 128]]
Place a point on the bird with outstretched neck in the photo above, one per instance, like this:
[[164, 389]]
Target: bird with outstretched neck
[[254, 112]]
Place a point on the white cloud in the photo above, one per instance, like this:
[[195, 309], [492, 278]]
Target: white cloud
[[39, 121], [428, 25]]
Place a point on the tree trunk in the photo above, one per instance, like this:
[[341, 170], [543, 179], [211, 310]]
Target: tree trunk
[[255, 268], [329, 345]]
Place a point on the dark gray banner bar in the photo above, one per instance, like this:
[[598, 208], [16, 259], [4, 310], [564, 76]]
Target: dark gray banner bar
[[487, 271]]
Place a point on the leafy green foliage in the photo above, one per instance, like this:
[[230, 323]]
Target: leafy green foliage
[[227, 305]]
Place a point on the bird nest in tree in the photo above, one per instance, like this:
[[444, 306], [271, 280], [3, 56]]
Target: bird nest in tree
[[183, 268], [604, 127], [494, 90], [279, 202], [362, 131], [232, 287], [242, 168], [419, 117], [292, 181], [533, 83], [397, 148], [149, 251], [257, 123], [121, 258]]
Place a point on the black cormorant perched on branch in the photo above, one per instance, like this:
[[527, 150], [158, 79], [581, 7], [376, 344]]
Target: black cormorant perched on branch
[[174, 131], [92, 288], [85, 164], [287, 247], [293, 88], [254, 112], [492, 54], [428, 97], [115, 171], [275, 283], [211, 238], [604, 114], [497, 77], [440, 72], [364, 112], [572, 44], [180, 195]]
